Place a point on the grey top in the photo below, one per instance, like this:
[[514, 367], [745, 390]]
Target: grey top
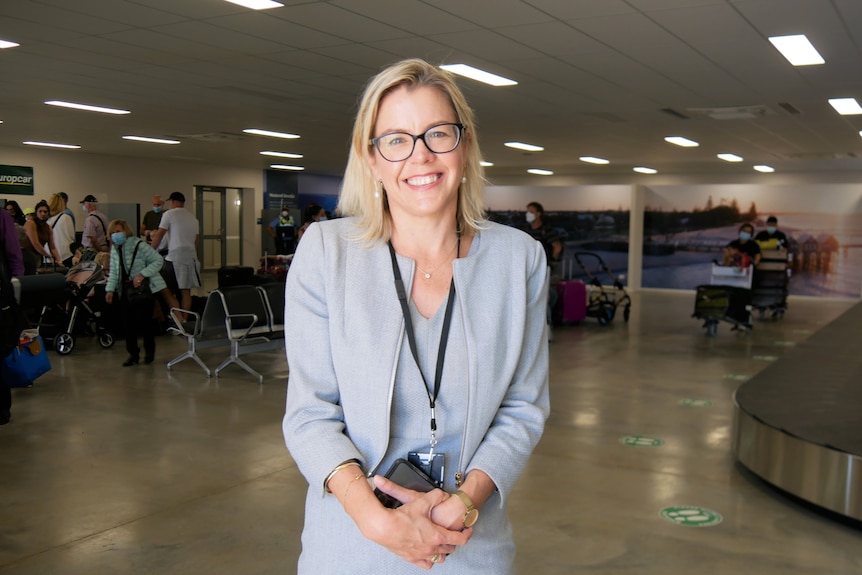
[[354, 391]]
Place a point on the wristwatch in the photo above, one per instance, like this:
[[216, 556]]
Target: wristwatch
[[472, 513]]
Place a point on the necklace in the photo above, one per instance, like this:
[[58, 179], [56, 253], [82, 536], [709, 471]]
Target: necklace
[[427, 273]]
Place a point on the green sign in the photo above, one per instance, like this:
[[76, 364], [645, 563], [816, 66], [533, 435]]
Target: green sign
[[737, 376], [691, 516], [696, 402], [16, 180], [641, 441]]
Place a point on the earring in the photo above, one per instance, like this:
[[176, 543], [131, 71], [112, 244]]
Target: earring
[[379, 188], [463, 179]]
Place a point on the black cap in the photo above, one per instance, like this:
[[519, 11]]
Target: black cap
[[177, 197], [65, 196], [90, 198]]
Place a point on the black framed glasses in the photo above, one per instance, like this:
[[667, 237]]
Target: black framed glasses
[[439, 139]]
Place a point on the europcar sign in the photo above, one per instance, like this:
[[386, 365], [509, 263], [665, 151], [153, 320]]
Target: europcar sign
[[17, 180]]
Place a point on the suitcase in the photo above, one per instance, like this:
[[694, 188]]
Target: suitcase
[[727, 302], [571, 301], [229, 276]]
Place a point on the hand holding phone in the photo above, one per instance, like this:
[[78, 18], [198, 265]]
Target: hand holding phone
[[406, 475]]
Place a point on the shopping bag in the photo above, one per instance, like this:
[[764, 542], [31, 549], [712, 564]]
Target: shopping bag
[[26, 363]]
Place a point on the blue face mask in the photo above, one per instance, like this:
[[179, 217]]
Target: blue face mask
[[744, 236], [771, 229], [119, 238], [157, 209], [84, 207], [322, 219]]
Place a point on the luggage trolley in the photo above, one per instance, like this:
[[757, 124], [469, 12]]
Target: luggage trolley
[[769, 286], [602, 302], [726, 298]]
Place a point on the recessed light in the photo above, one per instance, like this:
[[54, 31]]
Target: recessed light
[[680, 141], [270, 133], [525, 147], [485, 164], [478, 75], [257, 4], [284, 167], [281, 154], [729, 157], [539, 172], [593, 160], [51, 145], [764, 169], [7, 44], [151, 140], [86, 107], [645, 170], [797, 49], [846, 106]]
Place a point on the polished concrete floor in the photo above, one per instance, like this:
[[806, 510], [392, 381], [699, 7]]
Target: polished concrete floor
[[106, 469]]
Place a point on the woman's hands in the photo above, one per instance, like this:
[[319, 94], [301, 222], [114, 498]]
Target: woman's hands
[[409, 531], [138, 280]]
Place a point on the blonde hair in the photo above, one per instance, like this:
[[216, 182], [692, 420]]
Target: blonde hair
[[361, 195], [56, 204], [127, 229]]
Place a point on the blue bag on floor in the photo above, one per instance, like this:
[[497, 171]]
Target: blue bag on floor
[[26, 363]]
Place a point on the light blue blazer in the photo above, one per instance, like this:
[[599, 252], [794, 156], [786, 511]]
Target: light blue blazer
[[346, 330]]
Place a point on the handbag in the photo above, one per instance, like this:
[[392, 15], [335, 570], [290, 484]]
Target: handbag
[[135, 295], [26, 363]]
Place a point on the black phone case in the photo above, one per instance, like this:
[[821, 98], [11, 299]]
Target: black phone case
[[406, 475]]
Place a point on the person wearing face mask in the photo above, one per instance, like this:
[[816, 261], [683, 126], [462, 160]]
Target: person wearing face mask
[[283, 231], [152, 218], [133, 262], [313, 213], [37, 244], [744, 250], [771, 238]]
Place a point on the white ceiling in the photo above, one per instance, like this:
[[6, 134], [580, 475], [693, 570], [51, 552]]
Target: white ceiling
[[594, 78]]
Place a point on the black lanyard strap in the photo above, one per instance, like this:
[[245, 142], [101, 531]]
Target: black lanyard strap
[[411, 337]]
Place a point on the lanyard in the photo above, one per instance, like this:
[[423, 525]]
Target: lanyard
[[411, 337]]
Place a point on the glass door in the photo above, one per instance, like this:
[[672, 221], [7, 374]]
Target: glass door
[[219, 211]]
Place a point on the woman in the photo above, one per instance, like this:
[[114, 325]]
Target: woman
[[313, 213], [359, 398], [63, 228], [15, 211], [132, 262], [37, 245]]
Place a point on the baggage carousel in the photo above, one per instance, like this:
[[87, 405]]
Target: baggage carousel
[[798, 423]]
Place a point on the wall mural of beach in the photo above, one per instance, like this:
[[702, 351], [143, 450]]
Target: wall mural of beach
[[687, 227]]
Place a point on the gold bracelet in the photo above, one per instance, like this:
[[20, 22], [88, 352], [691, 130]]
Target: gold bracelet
[[347, 488], [338, 468]]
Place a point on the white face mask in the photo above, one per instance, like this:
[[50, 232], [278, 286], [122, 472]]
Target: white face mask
[[322, 219], [531, 217]]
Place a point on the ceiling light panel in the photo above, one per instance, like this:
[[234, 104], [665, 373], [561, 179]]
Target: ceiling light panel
[[478, 75], [644, 170], [798, 50], [729, 157], [257, 4], [87, 107], [151, 140], [485, 164], [525, 147], [270, 133], [281, 154], [594, 160], [540, 172], [846, 106], [7, 44], [764, 169], [285, 167], [52, 145], [680, 141]]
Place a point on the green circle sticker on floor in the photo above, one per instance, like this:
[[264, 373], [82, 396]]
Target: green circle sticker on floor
[[695, 402], [737, 376], [691, 516], [641, 441], [766, 357]]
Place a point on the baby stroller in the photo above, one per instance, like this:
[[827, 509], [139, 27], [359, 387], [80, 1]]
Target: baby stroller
[[78, 313], [602, 303]]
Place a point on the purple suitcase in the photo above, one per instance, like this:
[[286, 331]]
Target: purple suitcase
[[572, 301]]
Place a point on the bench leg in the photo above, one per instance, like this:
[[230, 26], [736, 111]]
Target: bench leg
[[190, 353], [242, 364]]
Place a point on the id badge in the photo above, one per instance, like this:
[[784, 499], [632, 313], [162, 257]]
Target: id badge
[[431, 464]]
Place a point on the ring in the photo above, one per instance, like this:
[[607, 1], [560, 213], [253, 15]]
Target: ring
[[435, 558]]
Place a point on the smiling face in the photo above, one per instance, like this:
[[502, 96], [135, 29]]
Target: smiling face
[[425, 185]]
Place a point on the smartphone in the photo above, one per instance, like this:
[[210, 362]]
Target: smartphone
[[406, 475]]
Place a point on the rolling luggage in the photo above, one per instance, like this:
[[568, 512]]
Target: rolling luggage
[[571, 301], [723, 302]]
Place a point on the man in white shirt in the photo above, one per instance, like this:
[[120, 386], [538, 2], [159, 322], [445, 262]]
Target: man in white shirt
[[183, 228]]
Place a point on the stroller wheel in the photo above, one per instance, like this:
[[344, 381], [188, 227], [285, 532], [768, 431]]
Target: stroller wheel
[[627, 312], [64, 343], [106, 339]]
